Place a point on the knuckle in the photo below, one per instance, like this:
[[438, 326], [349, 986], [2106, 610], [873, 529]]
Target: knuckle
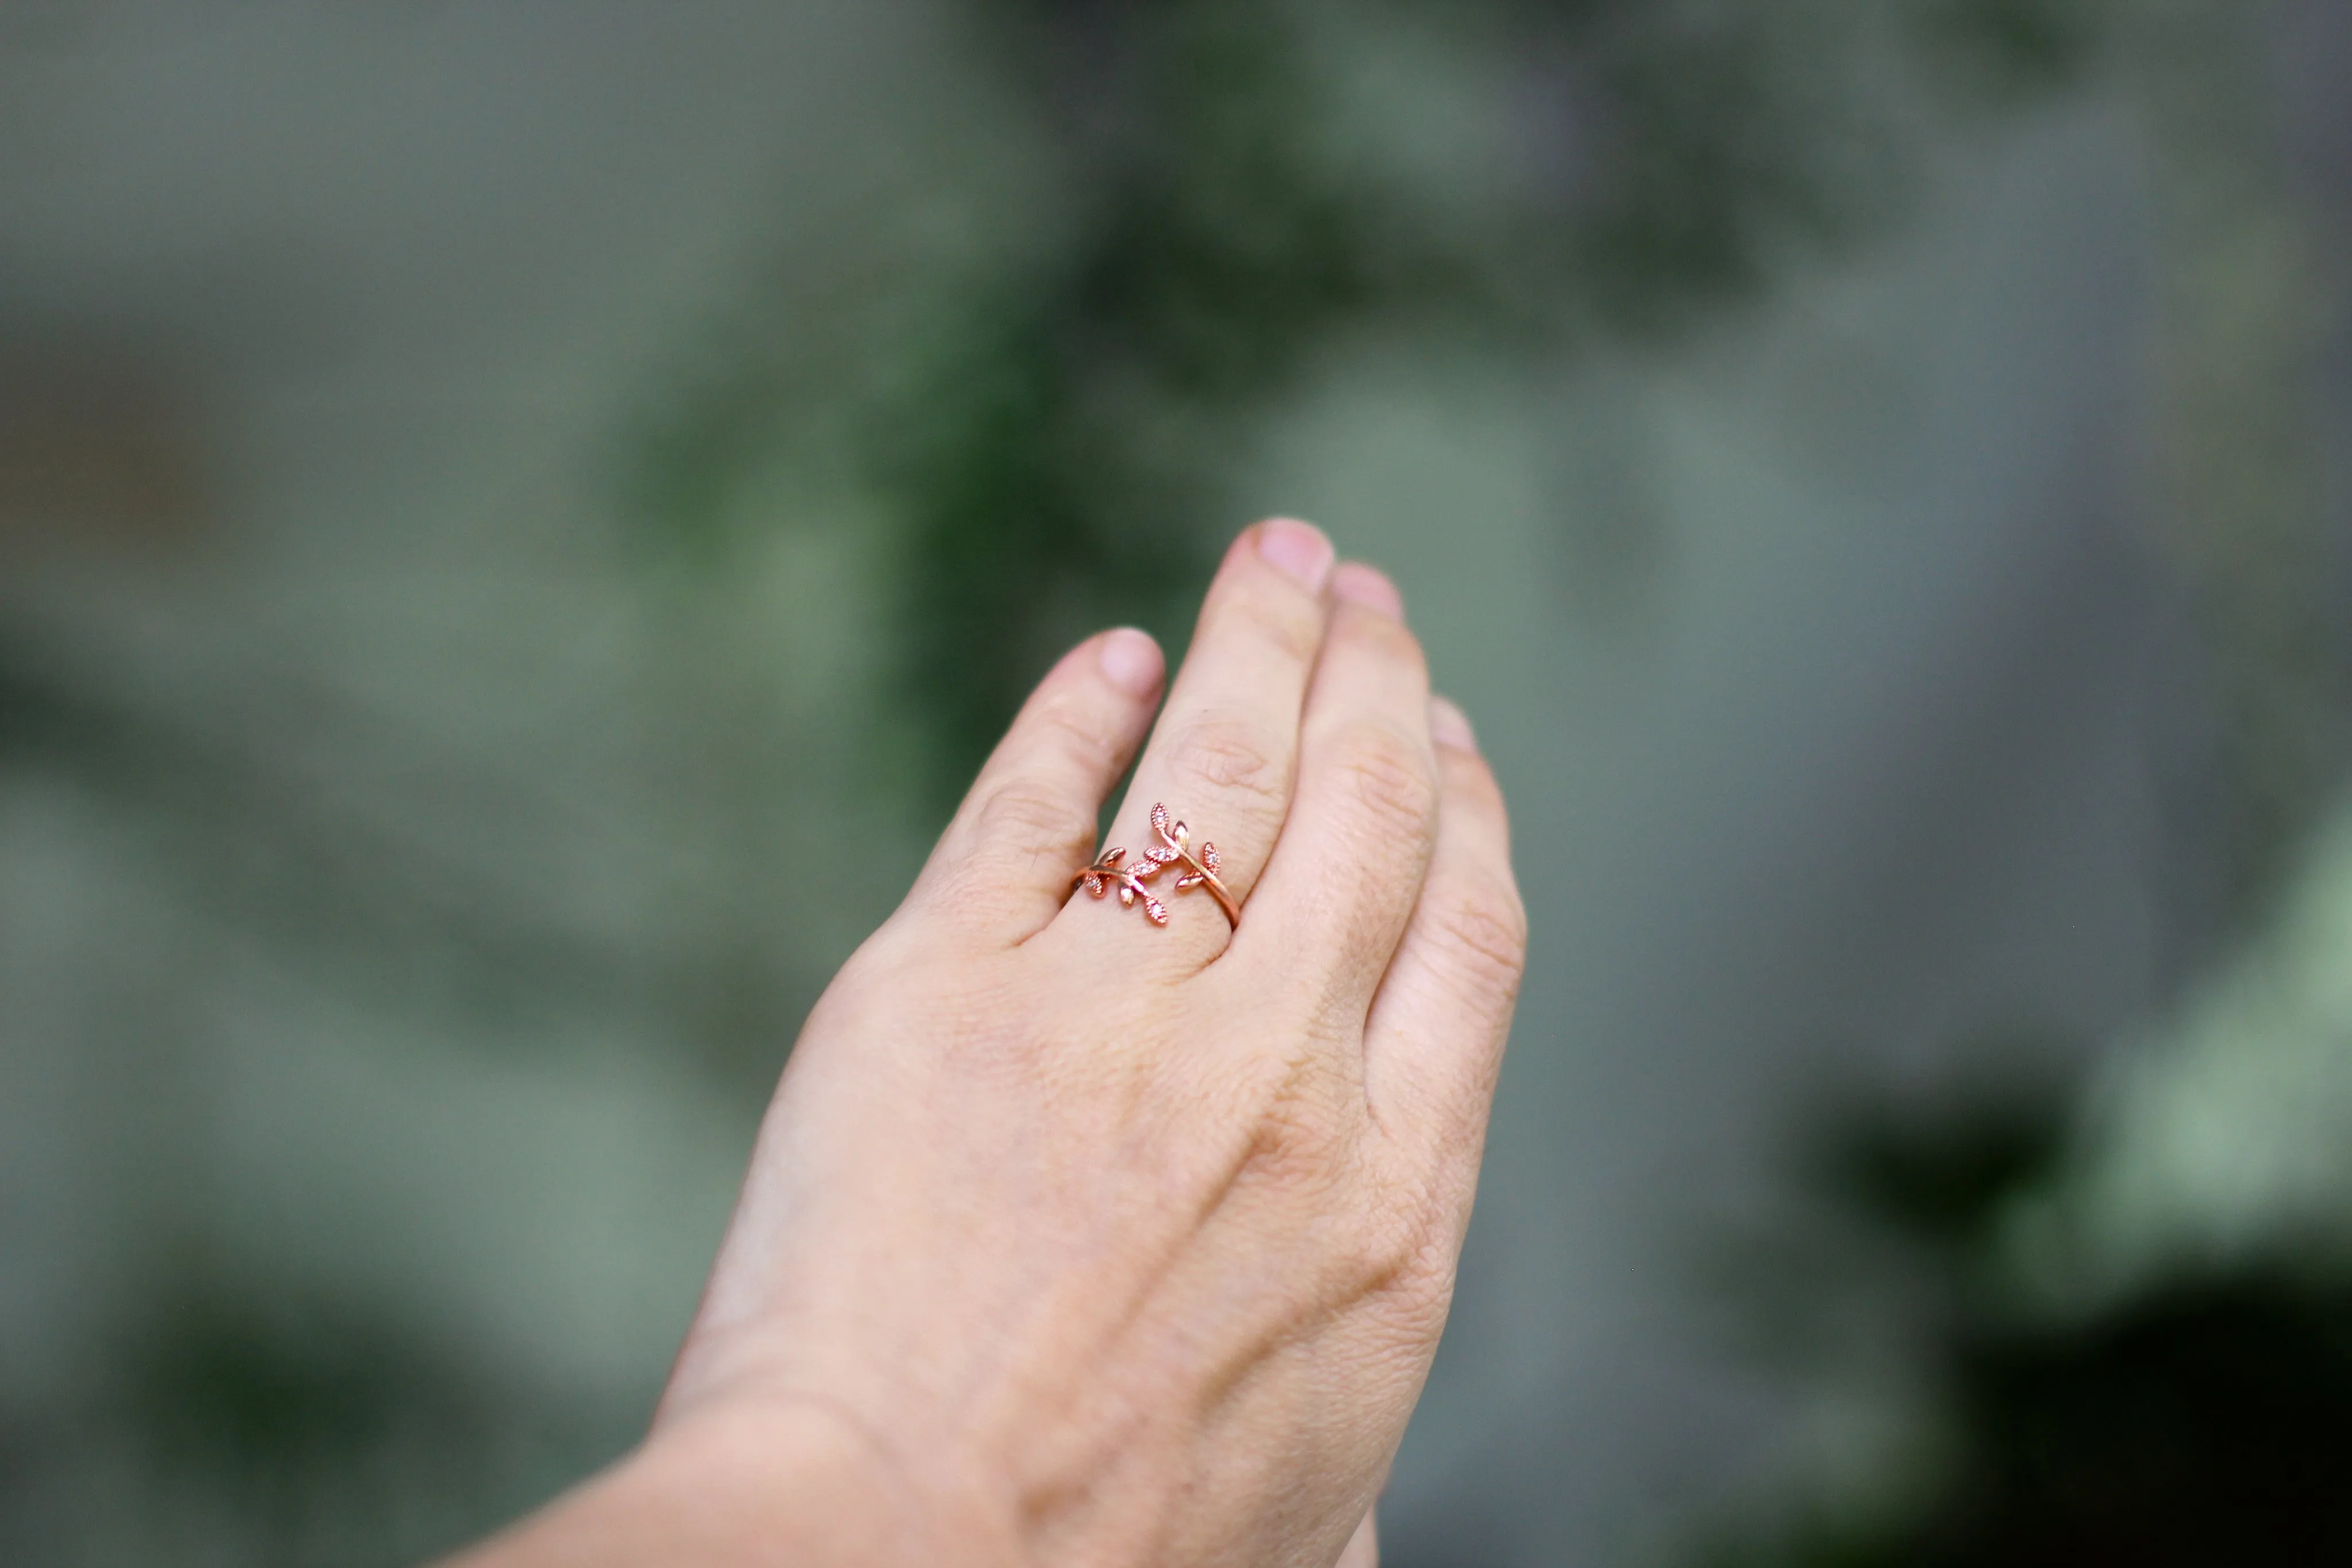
[[1401, 1244], [1293, 631], [1232, 754], [1299, 1127], [1403, 1261], [1413, 1305], [1069, 734], [1386, 776], [1383, 638], [1289, 1151], [1024, 816], [1472, 781], [1483, 937]]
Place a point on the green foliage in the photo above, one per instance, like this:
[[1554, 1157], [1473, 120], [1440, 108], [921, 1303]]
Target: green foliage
[[1058, 445], [2204, 1418], [2002, 47], [1066, 450], [294, 1424], [1939, 1178]]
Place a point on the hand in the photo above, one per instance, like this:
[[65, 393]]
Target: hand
[[1071, 1239]]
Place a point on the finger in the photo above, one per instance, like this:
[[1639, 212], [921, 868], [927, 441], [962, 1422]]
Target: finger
[[1225, 752], [1027, 824], [1344, 879], [1363, 1547], [1435, 1039]]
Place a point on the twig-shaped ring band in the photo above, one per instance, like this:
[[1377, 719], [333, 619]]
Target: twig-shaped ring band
[[1108, 875]]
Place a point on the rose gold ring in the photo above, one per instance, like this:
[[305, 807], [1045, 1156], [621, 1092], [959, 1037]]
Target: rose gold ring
[[1173, 849]]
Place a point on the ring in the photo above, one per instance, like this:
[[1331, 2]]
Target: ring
[[1173, 849]]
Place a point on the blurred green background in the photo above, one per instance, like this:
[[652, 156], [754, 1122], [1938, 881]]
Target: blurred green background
[[516, 521]]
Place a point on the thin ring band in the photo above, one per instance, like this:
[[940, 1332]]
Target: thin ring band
[[1175, 848]]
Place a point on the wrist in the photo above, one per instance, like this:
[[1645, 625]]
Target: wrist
[[756, 1481]]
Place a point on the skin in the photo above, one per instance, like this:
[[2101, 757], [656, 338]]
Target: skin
[[1072, 1240]]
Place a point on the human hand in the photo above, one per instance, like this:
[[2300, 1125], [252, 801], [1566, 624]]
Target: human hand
[[1072, 1240]]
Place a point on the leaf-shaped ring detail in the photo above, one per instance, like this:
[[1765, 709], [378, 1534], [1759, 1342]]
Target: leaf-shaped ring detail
[[1172, 849]]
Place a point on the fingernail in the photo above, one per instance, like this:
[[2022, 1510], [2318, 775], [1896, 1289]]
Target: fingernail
[[1132, 659], [1299, 548], [1449, 725], [1370, 587]]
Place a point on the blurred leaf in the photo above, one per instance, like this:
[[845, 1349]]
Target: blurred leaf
[[330, 1431], [2005, 48], [1941, 1175], [1062, 452]]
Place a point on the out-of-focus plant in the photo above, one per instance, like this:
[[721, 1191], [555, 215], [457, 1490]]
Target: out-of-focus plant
[[1206, 203], [2201, 1415], [286, 1423], [1052, 428], [2247, 318], [2112, 1327], [1227, 206]]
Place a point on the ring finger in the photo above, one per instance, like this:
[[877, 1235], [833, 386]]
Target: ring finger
[[1224, 755]]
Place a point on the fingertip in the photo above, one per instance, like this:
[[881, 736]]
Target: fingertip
[[1300, 549], [1449, 725], [1132, 661], [1370, 587]]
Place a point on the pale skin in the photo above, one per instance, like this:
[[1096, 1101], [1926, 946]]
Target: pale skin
[[1069, 1239]]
